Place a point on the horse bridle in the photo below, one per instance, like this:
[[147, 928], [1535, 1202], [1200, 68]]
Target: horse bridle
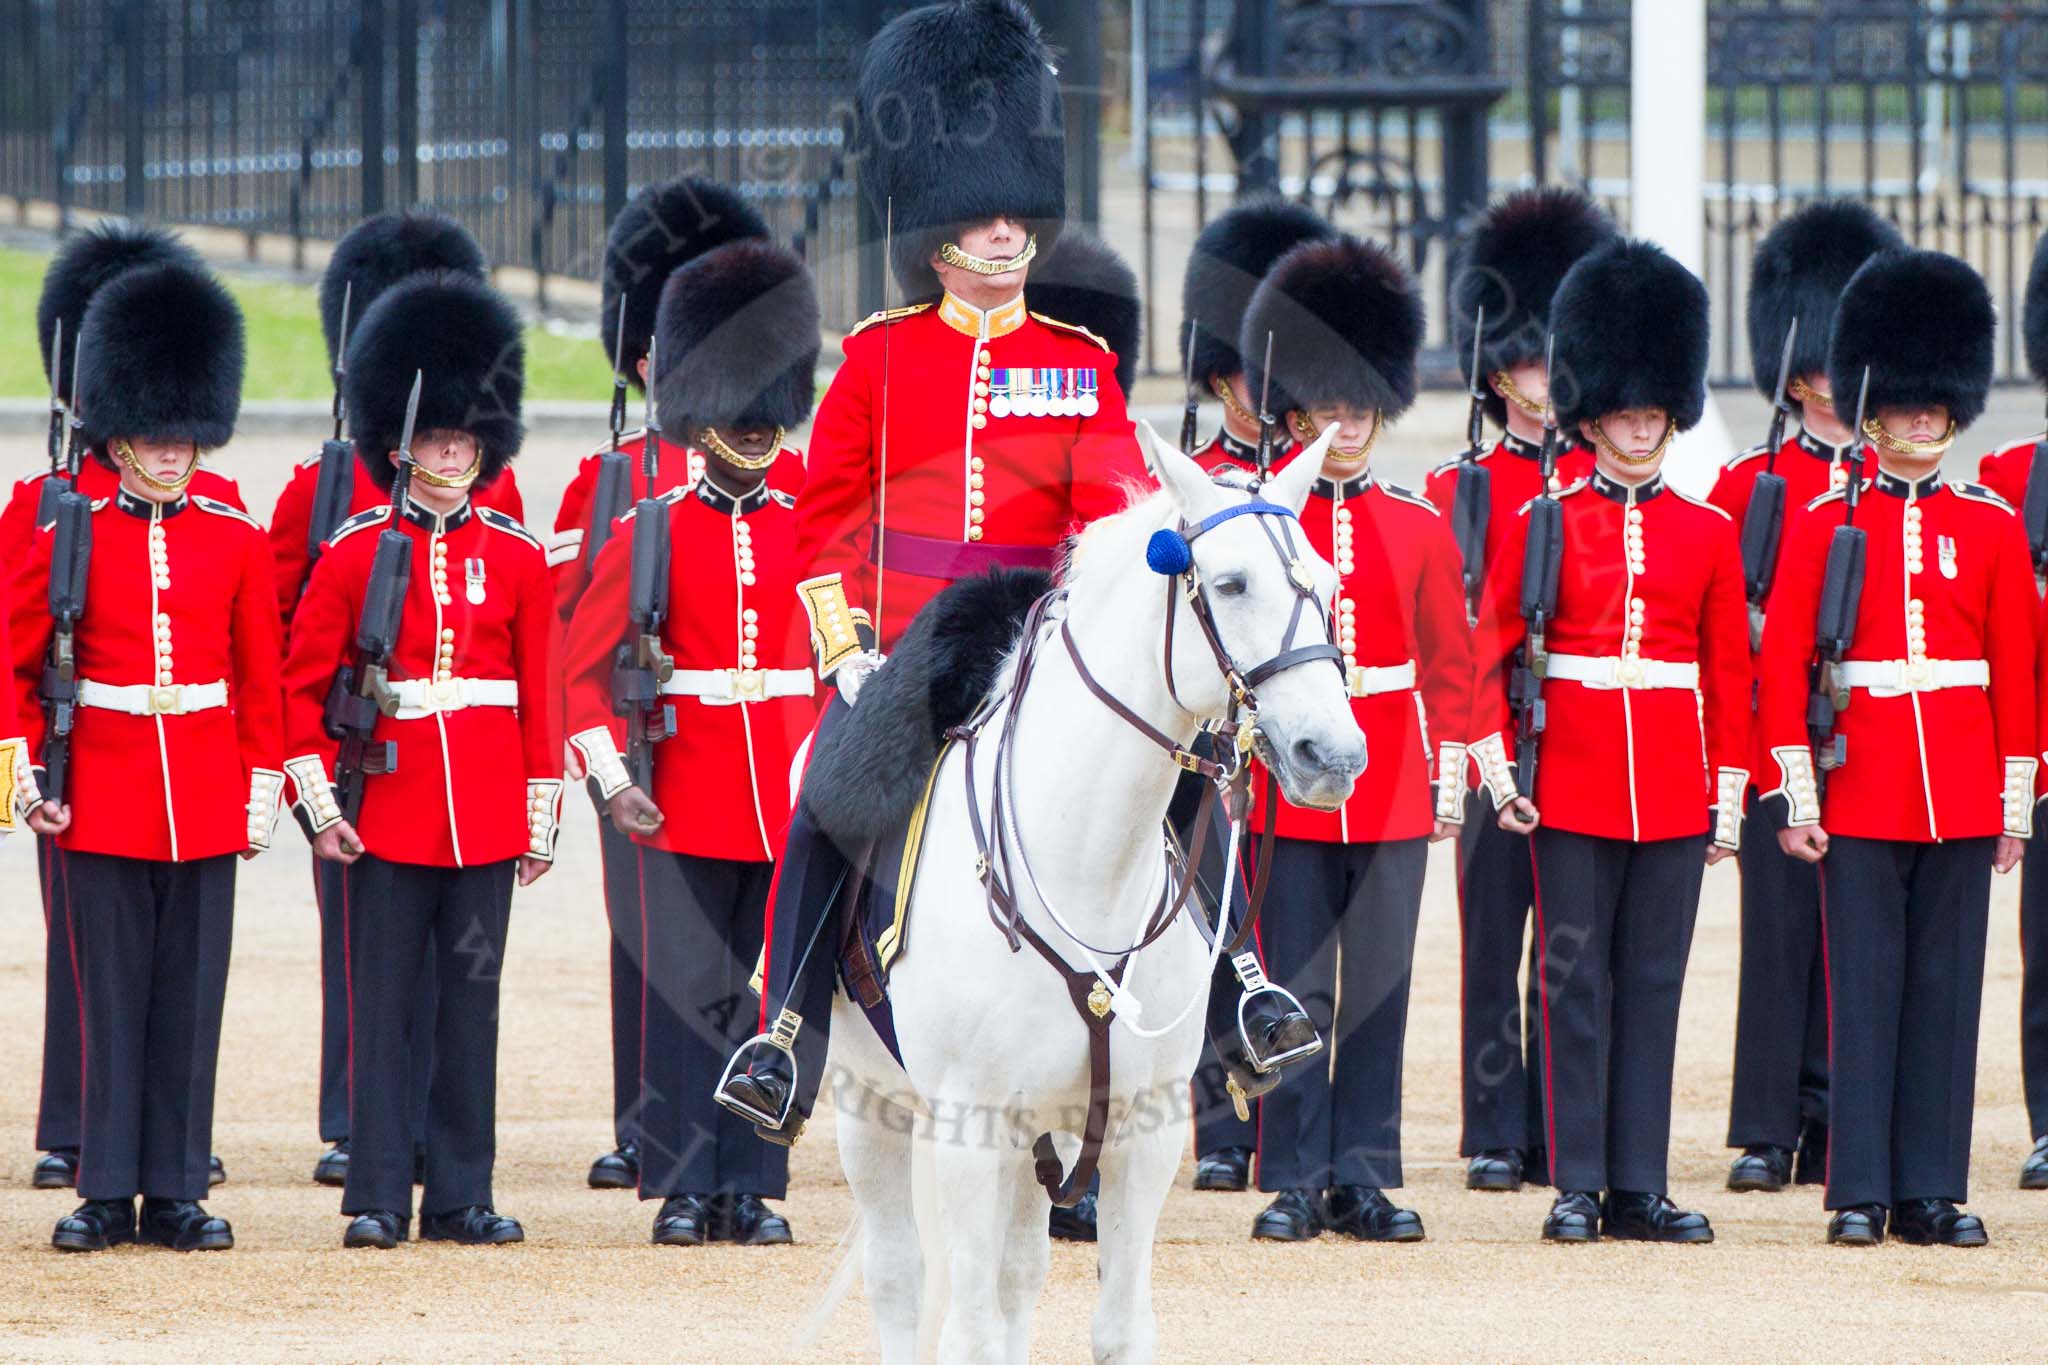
[[1169, 552]]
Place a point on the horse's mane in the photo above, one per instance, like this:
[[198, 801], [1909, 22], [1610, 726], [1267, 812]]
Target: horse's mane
[[1117, 539]]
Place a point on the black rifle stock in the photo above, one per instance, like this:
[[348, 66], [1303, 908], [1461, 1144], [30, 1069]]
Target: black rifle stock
[[361, 689], [70, 558], [1841, 598], [609, 500], [1542, 560], [1472, 504], [1763, 521], [334, 491], [640, 667]]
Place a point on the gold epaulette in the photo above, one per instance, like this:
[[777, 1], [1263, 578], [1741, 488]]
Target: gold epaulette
[[886, 315], [1074, 327]]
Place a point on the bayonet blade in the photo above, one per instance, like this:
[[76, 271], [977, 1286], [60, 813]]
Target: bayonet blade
[[1478, 336], [653, 421], [348, 296], [57, 368], [1785, 363], [412, 414], [1862, 397], [1266, 380]]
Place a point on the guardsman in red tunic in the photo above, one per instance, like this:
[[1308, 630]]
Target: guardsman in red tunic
[[960, 434], [1230, 257], [373, 256], [705, 832], [1780, 1099], [466, 795], [1645, 679], [1339, 925], [1509, 265], [174, 755], [85, 263], [2020, 460], [1931, 763], [665, 228]]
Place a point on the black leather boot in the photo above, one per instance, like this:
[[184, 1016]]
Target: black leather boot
[[1367, 1214], [1293, 1216], [95, 1225], [685, 1220], [1631, 1216], [332, 1167], [477, 1225], [747, 1220], [618, 1169], [1859, 1225], [379, 1230], [1227, 1169], [1811, 1168], [1497, 1169], [2033, 1172], [57, 1170], [1574, 1217], [184, 1225], [1937, 1222], [1761, 1169]]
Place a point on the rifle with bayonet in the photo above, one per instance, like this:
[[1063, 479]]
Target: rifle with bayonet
[[1841, 598], [2034, 508], [1763, 523], [1269, 425], [362, 687], [334, 492], [614, 468], [640, 667], [1187, 384], [1472, 505], [64, 424], [70, 520], [1542, 558]]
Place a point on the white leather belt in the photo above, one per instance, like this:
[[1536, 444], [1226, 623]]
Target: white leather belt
[[419, 698], [1897, 677], [1370, 681], [725, 686], [140, 699], [1605, 673]]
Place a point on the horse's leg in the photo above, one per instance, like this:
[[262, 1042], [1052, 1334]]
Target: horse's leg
[[1137, 1173], [875, 1151], [1027, 1252], [978, 1221]]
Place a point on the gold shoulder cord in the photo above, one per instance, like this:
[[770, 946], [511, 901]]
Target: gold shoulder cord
[[1874, 429]]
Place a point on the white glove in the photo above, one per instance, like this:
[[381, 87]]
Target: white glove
[[851, 674]]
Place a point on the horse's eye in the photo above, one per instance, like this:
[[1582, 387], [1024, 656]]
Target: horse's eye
[[1231, 585]]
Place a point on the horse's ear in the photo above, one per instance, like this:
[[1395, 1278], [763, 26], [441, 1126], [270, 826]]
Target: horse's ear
[[1290, 487], [1184, 480]]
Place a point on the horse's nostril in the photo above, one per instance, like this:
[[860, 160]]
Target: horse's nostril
[[1309, 755]]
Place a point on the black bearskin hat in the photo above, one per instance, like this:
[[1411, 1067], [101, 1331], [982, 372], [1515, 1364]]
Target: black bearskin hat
[[162, 358], [958, 121], [1799, 271], [1511, 261], [1346, 321], [467, 345], [1924, 324], [738, 336], [1631, 333], [2034, 323], [382, 250], [664, 228], [1084, 282], [85, 263], [1230, 258]]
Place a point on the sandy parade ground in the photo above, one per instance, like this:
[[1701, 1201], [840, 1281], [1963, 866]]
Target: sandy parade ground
[[587, 1285]]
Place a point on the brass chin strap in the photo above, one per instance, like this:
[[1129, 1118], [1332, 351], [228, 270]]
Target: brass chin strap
[[1306, 431], [713, 442], [1898, 445], [1803, 392], [1609, 448], [979, 265], [1221, 388], [126, 454], [462, 480], [1516, 396]]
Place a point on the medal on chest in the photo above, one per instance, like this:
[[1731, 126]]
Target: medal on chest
[[473, 579], [1947, 551]]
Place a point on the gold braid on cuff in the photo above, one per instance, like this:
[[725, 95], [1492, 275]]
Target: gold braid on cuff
[[713, 442], [1874, 429], [126, 453], [981, 265]]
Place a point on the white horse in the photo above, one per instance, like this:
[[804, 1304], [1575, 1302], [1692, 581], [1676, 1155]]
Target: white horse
[[994, 1050]]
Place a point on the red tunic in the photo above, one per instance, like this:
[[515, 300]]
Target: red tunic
[[1621, 762], [17, 520], [723, 779], [676, 466], [291, 521], [965, 467], [1400, 604], [474, 784], [1516, 466], [1921, 765], [178, 604], [2005, 471]]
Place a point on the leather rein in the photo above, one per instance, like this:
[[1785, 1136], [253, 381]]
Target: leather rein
[[1228, 775]]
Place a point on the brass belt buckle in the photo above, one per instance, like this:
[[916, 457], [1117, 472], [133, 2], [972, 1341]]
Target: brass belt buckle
[[166, 701]]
